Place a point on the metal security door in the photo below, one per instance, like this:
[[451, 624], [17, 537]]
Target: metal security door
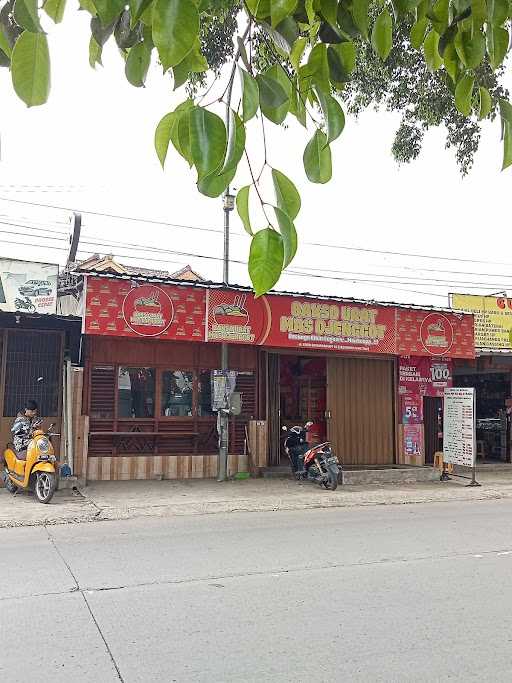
[[360, 410]]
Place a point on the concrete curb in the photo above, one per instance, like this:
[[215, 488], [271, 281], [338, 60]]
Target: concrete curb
[[345, 497]]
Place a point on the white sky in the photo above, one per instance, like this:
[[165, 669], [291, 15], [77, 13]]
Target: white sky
[[91, 148]]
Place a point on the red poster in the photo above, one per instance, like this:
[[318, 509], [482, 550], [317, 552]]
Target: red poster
[[118, 308], [298, 322], [412, 440], [412, 409], [424, 376], [425, 333]]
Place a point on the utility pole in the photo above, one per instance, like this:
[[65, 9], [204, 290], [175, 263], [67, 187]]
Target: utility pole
[[228, 205]]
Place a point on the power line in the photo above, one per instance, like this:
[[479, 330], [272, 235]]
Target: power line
[[218, 230]]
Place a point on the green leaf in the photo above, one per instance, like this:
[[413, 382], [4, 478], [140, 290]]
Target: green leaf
[[175, 29], [287, 197], [242, 206], [108, 10], [194, 62], [207, 141], [507, 145], [137, 64], [288, 234], [297, 52], [451, 62], [280, 9], [55, 9], [440, 16], [125, 36], [274, 98], [478, 13], [266, 258], [137, 9], [26, 15], [163, 136], [333, 116], [310, 11], [431, 51], [342, 62], [88, 6], [418, 32], [250, 95], [506, 111], [30, 68], [470, 47], [181, 136], [464, 94], [318, 67], [497, 45], [297, 106], [498, 12], [167, 130], [360, 15], [95, 51], [5, 46], [214, 185], [101, 33], [317, 159], [329, 9], [236, 143], [382, 34], [485, 105]]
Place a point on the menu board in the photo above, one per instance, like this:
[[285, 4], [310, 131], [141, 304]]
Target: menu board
[[459, 447]]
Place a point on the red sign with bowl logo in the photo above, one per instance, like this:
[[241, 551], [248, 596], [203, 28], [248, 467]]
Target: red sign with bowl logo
[[423, 333], [126, 309], [121, 308]]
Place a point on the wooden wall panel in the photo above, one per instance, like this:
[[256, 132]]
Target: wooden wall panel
[[360, 397], [124, 468]]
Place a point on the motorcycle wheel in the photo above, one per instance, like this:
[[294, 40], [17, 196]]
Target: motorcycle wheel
[[10, 486], [332, 482], [46, 483]]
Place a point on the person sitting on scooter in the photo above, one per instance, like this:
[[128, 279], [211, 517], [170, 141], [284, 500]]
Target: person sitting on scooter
[[22, 428], [297, 446]]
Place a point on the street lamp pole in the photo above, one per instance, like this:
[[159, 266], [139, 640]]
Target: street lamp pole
[[228, 205]]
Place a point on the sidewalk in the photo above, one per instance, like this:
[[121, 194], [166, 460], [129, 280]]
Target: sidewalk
[[123, 500]]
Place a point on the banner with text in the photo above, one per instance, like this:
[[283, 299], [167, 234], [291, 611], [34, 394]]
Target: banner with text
[[424, 376], [493, 319]]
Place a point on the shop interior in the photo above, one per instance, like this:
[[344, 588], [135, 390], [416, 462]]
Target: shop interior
[[492, 393], [303, 393]]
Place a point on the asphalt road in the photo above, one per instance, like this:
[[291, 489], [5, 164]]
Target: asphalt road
[[398, 593]]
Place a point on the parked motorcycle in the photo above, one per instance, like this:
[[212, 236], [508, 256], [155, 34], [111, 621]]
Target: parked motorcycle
[[38, 471], [313, 463], [24, 304]]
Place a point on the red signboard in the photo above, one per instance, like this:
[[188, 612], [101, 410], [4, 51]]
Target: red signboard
[[300, 323], [127, 309], [411, 409], [118, 308], [422, 333], [424, 376]]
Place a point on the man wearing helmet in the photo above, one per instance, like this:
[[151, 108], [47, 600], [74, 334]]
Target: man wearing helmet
[[22, 428]]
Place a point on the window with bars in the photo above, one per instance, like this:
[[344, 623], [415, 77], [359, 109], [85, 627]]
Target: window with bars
[[33, 371]]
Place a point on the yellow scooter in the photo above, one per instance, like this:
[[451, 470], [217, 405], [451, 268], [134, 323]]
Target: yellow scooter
[[38, 471]]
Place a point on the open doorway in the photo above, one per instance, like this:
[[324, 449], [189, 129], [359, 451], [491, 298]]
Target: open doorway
[[301, 396], [433, 424]]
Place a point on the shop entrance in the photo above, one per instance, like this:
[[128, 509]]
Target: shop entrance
[[433, 425], [349, 400], [302, 394]]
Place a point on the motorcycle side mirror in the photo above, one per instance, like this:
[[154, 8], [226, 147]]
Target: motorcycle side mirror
[[50, 428], [284, 428], [40, 379], [309, 424]]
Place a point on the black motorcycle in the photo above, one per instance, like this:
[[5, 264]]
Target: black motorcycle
[[314, 463]]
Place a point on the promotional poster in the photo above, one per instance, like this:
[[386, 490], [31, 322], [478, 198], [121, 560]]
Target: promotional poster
[[28, 287]]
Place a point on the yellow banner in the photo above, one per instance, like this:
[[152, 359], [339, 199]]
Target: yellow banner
[[493, 319]]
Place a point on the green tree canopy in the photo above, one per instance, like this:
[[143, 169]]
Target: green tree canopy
[[297, 58]]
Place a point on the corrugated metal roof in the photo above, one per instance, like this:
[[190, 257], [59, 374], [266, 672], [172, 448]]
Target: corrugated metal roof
[[208, 284]]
